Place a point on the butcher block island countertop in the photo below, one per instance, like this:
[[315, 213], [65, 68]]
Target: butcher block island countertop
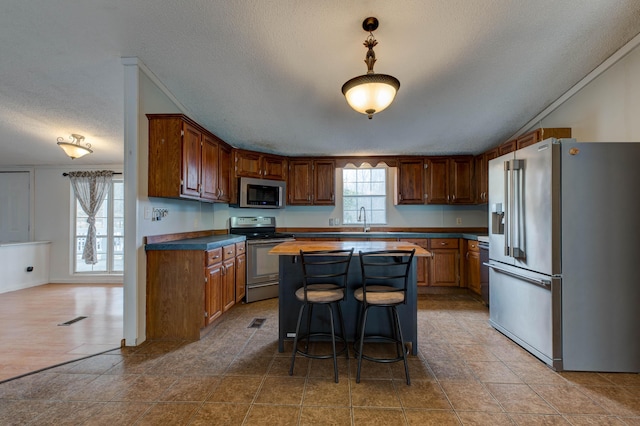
[[292, 248], [291, 278]]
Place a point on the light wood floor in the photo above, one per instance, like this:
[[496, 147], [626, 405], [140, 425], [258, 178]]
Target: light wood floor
[[31, 338]]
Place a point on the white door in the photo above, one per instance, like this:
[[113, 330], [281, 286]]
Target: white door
[[14, 206]]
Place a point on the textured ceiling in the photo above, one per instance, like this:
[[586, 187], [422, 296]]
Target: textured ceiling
[[266, 75]]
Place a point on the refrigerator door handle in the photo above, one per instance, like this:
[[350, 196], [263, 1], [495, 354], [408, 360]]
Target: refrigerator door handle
[[517, 200], [507, 209], [539, 282]]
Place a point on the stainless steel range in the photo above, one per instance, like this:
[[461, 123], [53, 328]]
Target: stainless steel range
[[262, 268]]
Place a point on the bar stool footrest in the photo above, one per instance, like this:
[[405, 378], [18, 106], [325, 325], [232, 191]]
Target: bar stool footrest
[[341, 345], [383, 339]]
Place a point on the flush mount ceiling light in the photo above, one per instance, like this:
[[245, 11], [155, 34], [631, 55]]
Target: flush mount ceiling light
[[73, 149], [370, 93]]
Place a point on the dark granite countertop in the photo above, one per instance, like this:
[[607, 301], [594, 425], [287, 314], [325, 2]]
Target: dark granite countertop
[[201, 243]]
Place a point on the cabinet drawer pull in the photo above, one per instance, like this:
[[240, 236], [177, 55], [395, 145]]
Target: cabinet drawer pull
[[443, 243]]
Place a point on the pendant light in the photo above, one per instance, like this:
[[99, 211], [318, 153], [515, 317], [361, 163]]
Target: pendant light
[[370, 93]]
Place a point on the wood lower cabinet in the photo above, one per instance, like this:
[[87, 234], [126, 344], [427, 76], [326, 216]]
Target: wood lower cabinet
[[241, 272], [311, 182], [444, 270], [472, 266], [422, 273], [213, 287], [188, 290], [228, 277]]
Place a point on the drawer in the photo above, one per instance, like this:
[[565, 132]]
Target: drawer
[[214, 256], [229, 252], [240, 248], [436, 243], [473, 246]]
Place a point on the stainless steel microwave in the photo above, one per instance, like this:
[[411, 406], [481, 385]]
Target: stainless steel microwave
[[261, 193]]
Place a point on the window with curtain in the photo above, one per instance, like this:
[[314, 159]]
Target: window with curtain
[[364, 187], [109, 223]]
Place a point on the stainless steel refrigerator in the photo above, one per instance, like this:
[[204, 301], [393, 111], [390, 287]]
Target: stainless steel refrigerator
[[564, 257]]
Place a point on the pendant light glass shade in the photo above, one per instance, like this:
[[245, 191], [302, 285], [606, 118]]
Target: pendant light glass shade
[[370, 93], [73, 149]]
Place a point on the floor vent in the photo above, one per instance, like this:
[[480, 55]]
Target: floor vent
[[257, 322], [72, 321]]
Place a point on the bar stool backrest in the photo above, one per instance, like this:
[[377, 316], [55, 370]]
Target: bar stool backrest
[[386, 271], [323, 269]]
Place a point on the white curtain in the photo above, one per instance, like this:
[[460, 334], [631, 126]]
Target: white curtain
[[90, 189]]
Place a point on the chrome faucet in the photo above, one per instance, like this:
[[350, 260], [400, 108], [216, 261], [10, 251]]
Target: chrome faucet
[[362, 215]]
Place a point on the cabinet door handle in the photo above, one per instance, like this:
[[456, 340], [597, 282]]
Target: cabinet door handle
[[453, 198]]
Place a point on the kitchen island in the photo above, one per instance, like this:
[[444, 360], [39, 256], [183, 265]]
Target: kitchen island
[[291, 279]]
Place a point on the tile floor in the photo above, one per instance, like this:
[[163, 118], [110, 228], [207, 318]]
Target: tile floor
[[465, 373]]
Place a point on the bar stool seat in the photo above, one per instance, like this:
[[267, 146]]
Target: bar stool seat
[[324, 279], [320, 293], [385, 277], [380, 295]]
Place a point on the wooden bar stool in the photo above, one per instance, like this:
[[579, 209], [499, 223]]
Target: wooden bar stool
[[385, 277], [324, 282]]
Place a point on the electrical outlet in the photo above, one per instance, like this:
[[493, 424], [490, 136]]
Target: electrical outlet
[[147, 213], [458, 221], [336, 221], [331, 221]]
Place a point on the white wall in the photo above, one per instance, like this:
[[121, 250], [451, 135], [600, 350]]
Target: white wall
[[16, 258], [53, 221], [608, 108]]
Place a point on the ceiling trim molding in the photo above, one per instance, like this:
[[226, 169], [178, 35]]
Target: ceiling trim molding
[[600, 69]]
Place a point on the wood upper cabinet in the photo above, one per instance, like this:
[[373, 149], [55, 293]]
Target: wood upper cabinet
[[541, 134], [508, 147], [257, 165], [311, 182], [224, 172], [300, 186], [209, 168], [186, 161], [450, 180], [324, 182], [191, 160], [410, 183], [482, 175]]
